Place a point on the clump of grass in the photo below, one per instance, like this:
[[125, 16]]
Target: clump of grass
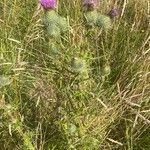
[[98, 100]]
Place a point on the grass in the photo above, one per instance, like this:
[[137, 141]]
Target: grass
[[45, 106]]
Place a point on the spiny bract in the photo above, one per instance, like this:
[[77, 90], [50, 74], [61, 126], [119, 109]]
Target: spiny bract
[[53, 31], [54, 24], [91, 18], [50, 17], [104, 22], [78, 65]]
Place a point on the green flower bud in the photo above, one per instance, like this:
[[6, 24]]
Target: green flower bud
[[50, 17], [78, 65], [91, 18], [104, 22]]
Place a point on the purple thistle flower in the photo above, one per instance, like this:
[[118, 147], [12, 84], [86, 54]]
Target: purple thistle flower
[[114, 13], [48, 4], [90, 4]]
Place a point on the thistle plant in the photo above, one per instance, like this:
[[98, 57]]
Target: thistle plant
[[103, 22], [93, 17], [54, 24], [79, 66], [114, 12], [90, 5]]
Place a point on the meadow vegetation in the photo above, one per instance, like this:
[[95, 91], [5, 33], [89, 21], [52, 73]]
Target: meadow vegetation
[[45, 104]]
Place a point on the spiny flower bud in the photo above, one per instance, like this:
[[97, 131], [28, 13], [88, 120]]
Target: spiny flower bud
[[114, 13], [50, 17], [91, 18], [53, 21], [48, 4], [90, 4], [104, 22], [78, 65]]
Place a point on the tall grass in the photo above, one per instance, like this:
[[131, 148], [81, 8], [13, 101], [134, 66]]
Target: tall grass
[[45, 106]]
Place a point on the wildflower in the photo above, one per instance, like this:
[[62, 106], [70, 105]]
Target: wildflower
[[90, 4], [48, 4], [113, 13]]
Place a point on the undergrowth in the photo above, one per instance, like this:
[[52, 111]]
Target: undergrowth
[[45, 105]]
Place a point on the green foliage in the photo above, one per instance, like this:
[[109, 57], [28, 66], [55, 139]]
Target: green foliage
[[98, 100], [54, 24], [94, 18]]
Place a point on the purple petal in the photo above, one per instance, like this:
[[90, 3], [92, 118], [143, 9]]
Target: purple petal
[[48, 4]]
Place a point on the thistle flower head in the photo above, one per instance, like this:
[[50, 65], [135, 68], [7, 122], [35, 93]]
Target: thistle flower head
[[114, 13], [90, 4], [48, 4]]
